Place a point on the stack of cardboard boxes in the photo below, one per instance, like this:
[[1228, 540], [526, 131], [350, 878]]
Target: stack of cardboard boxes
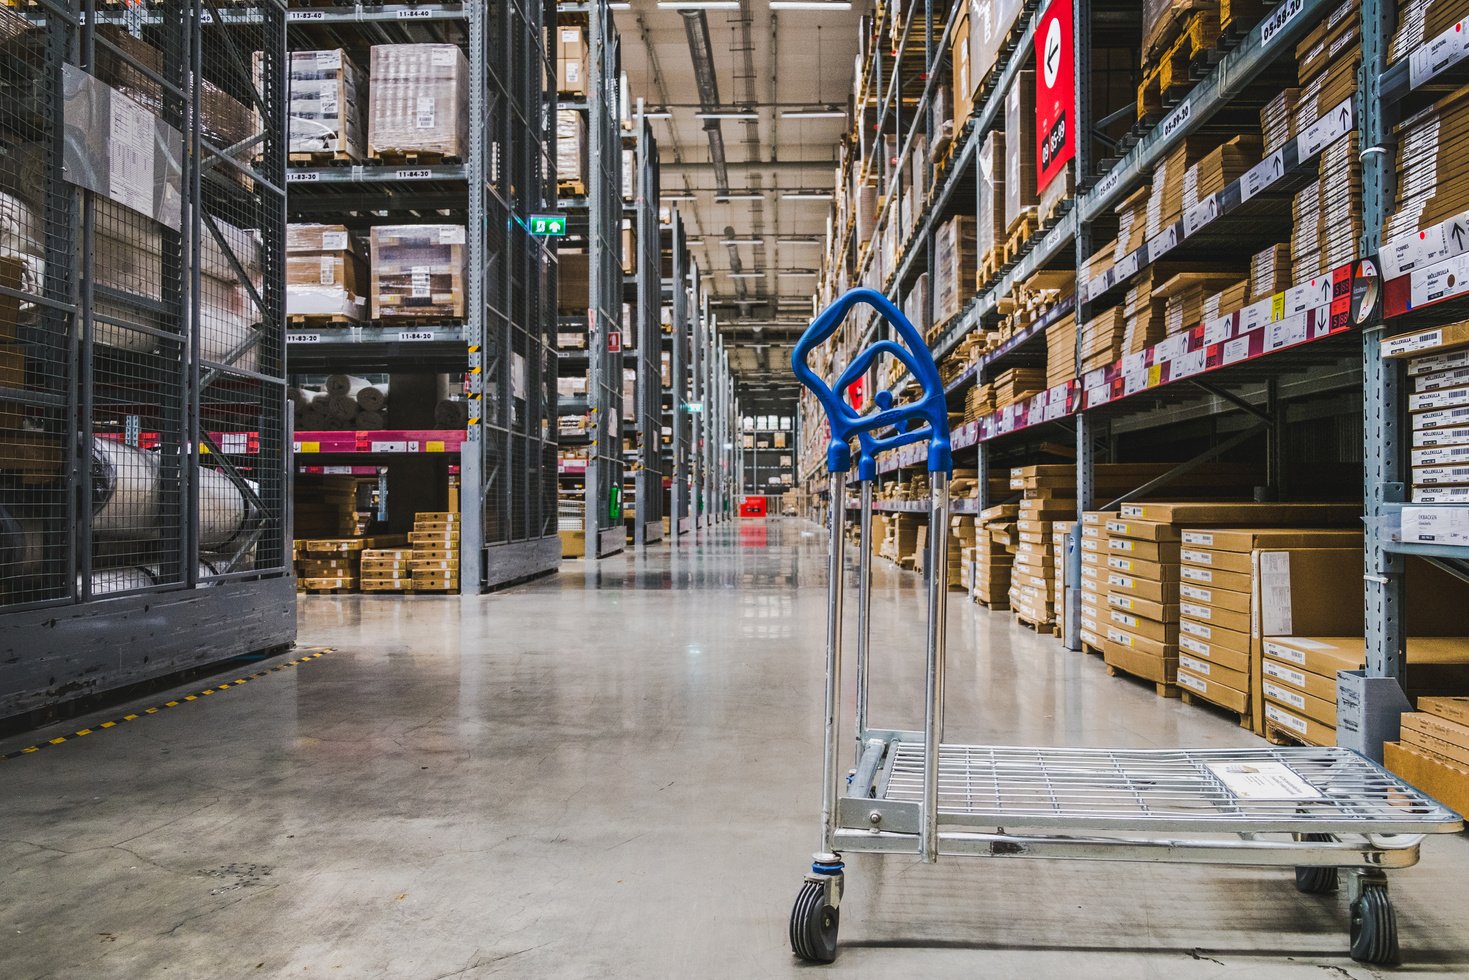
[[1438, 403], [418, 271], [387, 570], [325, 274], [435, 560], [1048, 494], [329, 564], [1434, 752], [992, 559], [1140, 631]]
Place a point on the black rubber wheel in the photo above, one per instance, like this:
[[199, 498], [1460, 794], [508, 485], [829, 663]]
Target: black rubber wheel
[[1316, 881], [814, 925], [1374, 927]]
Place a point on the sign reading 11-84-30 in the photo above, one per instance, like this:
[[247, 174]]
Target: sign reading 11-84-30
[[550, 225]]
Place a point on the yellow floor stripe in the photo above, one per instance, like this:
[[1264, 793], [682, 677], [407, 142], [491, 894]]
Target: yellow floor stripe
[[113, 723]]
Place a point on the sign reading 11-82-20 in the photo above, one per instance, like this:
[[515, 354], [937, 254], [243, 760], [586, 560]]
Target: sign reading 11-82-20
[[550, 225]]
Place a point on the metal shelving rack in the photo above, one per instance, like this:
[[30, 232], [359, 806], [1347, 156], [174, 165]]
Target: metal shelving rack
[[504, 346], [1309, 362], [648, 467], [143, 431], [687, 304]]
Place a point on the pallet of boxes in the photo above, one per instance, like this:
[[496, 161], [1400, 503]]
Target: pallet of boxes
[[991, 562], [1433, 750], [435, 559], [1048, 494]]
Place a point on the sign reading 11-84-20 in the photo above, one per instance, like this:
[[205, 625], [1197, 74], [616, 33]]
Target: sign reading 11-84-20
[[550, 225]]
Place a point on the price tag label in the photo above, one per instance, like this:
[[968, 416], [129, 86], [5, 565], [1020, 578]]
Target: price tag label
[[303, 338], [1200, 215], [420, 173], [302, 177], [415, 335]]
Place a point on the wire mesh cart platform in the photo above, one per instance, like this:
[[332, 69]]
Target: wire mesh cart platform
[[1321, 811]]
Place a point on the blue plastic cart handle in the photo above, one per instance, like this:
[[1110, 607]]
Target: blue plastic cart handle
[[844, 420]]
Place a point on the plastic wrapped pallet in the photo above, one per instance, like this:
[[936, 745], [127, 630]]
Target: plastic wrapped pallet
[[419, 99], [955, 266], [418, 271], [324, 273], [571, 145], [326, 104], [990, 208]]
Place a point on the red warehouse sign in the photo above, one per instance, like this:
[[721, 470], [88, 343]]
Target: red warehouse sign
[[1055, 93]]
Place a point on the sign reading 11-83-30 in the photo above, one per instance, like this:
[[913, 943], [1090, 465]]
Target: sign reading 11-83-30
[[550, 225]]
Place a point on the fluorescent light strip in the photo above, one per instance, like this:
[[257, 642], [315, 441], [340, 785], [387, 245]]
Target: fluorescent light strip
[[806, 196], [678, 197], [809, 5], [813, 114], [722, 198], [657, 114], [799, 241], [746, 275], [698, 4], [793, 274], [742, 241], [728, 114]]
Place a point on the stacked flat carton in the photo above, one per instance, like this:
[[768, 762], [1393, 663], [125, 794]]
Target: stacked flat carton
[[990, 208], [1185, 297], [1302, 701], [1277, 120], [1419, 21], [1047, 495], [961, 547], [956, 263], [325, 274], [1434, 752], [435, 561], [418, 271], [326, 506], [1432, 183], [327, 564], [1270, 272], [1093, 586], [1060, 543], [387, 570], [1140, 632], [1219, 168], [1020, 193], [1103, 338], [1236, 582], [419, 99], [1061, 350], [1438, 403], [993, 556]]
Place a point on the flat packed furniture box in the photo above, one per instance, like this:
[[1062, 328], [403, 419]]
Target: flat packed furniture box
[[418, 271], [419, 94]]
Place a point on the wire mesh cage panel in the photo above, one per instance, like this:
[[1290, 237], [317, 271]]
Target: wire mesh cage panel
[[142, 443]]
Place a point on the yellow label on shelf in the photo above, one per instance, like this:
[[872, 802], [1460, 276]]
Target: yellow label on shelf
[[433, 446], [1155, 375], [1277, 306], [310, 447]]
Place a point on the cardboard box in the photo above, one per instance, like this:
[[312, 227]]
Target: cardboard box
[[418, 271], [1294, 676], [571, 60], [1237, 680], [1246, 514], [1216, 635], [1122, 637], [1216, 599], [1212, 690], [1230, 657], [1449, 784], [1123, 583], [327, 103], [1298, 701], [1139, 626], [1450, 708], [1142, 530], [419, 98], [1139, 606], [1142, 568], [1213, 578], [1297, 726], [1152, 551], [1230, 619], [1159, 670], [961, 75]]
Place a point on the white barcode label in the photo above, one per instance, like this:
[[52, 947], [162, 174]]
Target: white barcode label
[[444, 56], [1281, 717], [1275, 601], [333, 241], [422, 279], [424, 117], [329, 60], [1284, 695], [451, 235], [328, 270]]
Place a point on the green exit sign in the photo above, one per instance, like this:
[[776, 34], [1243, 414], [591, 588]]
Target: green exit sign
[[549, 225]]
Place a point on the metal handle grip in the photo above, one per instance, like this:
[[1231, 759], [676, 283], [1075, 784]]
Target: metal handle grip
[[931, 409]]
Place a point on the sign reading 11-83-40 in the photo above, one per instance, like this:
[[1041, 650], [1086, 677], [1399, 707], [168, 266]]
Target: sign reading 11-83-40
[[550, 225]]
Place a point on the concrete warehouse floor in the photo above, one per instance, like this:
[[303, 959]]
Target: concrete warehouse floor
[[614, 773]]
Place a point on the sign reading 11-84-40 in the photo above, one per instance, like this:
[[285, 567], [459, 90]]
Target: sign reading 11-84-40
[[550, 225]]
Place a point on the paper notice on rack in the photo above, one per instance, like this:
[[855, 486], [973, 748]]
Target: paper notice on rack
[[130, 155], [329, 60], [1263, 781]]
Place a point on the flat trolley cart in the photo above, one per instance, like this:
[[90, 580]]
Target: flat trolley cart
[[1321, 811]]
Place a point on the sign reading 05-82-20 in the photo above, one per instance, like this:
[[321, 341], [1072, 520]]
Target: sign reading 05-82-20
[[1055, 93]]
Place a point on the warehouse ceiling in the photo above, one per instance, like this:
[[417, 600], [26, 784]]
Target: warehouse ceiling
[[759, 256]]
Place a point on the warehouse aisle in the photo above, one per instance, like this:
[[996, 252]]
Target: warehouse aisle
[[611, 773]]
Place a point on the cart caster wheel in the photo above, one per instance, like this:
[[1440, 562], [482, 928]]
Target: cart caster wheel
[[1374, 926], [814, 925], [1316, 881]]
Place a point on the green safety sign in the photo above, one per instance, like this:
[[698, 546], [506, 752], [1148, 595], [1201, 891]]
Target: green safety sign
[[549, 225]]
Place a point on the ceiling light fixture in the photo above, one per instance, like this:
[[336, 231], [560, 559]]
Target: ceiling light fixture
[[678, 197], [815, 113], [726, 114], [809, 5], [806, 196], [797, 273], [746, 275], [657, 113], [799, 241], [698, 4], [724, 198], [742, 241]]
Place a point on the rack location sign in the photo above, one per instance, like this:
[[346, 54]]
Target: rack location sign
[[1055, 93], [548, 225]]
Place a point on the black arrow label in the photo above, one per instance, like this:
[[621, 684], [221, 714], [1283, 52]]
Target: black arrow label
[[1346, 116], [1458, 232], [1279, 168]]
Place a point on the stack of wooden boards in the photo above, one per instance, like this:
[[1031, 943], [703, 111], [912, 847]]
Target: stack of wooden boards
[[1438, 407]]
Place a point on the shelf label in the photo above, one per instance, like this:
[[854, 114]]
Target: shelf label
[[392, 446], [414, 13], [1219, 330], [1237, 349], [1127, 268], [1408, 343], [299, 15], [1175, 120], [1262, 175], [415, 335], [1188, 364], [1278, 19], [1163, 242], [1277, 306], [302, 177], [1440, 282], [418, 173], [1107, 184], [303, 338], [1433, 56], [1286, 333], [306, 447], [1200, 215], [1336, 123]]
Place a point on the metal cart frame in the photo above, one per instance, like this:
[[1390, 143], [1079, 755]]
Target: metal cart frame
[[1318, 810]]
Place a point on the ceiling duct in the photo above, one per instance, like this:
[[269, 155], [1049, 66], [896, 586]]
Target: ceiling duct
[[701, 53]]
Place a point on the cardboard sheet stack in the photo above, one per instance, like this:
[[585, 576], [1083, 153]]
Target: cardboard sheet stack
[[325, 273], [1434, 752], [1438, 403], [387, 570], [326, 506], [419, 101], [1186, 294], [418, 271], [1327, 59], [1061, 351], [1020, 192], [435, 560], [1237, 583], [1419, 21], [1432, 182], [1220, 167], [1144, 313], [1166, 197], [1277, 120], [992, 559], [956, 263], [1270, 272], [1102, 339], [990, 206], [1014, 384], [1048, 495]]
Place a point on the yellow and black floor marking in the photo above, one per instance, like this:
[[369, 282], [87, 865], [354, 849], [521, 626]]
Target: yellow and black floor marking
[[145, 712]]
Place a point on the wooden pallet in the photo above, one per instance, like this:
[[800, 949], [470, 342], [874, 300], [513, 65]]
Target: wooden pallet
[[1088, 648], [319, 321], [1245, 719], [1185, 58], [1164, 689], [412, 158], [320, 158], [571, 188], [999, 606], [1021, 234], [1279, 736], [1041, 629], [989, 266], [412, 320]]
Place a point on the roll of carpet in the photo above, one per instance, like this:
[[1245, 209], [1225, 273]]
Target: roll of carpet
[[125, 488]]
